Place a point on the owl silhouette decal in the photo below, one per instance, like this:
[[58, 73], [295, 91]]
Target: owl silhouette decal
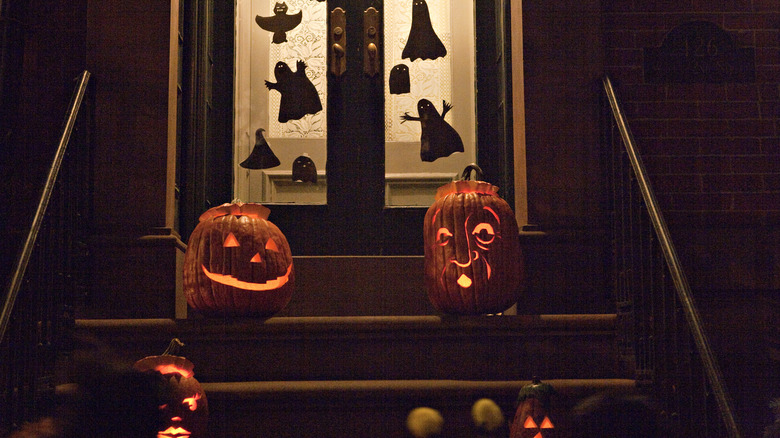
[[299, 96], [438, 138], [280, 22], [423, 42]]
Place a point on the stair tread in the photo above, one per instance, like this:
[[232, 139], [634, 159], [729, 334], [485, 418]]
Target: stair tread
[[322, 323], [409, 387]]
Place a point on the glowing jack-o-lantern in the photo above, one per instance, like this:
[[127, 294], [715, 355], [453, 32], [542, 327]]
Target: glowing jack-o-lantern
[[473, 261], [184, 408], [533, 418], [238, 263]]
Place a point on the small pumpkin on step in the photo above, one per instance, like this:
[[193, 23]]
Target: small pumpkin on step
[[184, 410]]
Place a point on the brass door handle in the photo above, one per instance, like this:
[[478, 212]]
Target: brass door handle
[[337, 56], [371, 41]]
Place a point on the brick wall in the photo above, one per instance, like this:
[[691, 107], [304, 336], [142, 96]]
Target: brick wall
[[712, 149], [713, 154]]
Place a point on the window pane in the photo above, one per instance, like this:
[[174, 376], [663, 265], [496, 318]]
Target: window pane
[[289, 131], [410, 181]]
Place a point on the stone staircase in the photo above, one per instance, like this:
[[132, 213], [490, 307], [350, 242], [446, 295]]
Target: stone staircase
[[335, 364]]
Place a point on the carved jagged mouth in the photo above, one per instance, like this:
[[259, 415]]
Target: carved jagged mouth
[[174, 432], [230, 280]]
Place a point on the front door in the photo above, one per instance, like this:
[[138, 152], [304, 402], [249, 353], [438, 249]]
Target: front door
[[350, 113]]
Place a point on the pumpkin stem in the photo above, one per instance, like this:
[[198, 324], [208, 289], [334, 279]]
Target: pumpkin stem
[[173, 347], [466, 175]]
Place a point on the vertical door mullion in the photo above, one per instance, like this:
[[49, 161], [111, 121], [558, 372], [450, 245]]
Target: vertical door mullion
[[355, 164]]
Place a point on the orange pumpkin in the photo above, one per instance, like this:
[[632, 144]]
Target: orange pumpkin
[[473, 262], [238, 263], [533, 418], [184, 409]]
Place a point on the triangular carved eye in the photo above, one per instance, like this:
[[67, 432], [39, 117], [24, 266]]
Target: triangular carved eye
[[530, 423], [231, 241], [547, 424], [271, 245]]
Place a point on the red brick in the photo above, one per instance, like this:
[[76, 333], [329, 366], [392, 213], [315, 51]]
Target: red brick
[[741, 92], [703, 202], [765, 5], [623, 57], [770, 110], [761, 164], [619, 6], [713, 164], [729, 110], [678, 183], [620, 39], [767, 56], [640, 92], [767, 73], [698, 128], [650, 38], [686, 92], [647, 127], [770, 145], [733, 183], [768, 38], [665, 6], [668, 110], [753, 21], [722, 5], [772, 182], [770, 92], [753, 128], [677, 146], [731, 145], [767, 201]]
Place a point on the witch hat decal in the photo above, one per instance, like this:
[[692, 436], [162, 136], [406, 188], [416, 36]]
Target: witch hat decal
[[262, 157]]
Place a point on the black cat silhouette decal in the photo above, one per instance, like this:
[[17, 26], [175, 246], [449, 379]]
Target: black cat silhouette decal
[[423, 42], [438, 139], [280, 22], [299, 96]]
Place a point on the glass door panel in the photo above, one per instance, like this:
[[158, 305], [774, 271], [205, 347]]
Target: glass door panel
[[411, 180], [376, 173], [281, 88]]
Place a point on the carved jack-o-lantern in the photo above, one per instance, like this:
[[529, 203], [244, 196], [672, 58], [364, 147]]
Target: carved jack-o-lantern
[[184, 409], [473, 260], [238, 263], [533, 418]]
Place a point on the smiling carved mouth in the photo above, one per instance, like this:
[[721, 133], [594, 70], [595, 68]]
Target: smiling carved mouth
[[173, 432], [230, 280]]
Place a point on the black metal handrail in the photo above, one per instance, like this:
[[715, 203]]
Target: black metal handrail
[[645, 311], [24, 257]]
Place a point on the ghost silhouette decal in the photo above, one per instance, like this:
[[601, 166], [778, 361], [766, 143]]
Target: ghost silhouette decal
[[423, 42], [438, 138], [262, 157], [299, 96], [399, 79], [304, 170], [280, 22]]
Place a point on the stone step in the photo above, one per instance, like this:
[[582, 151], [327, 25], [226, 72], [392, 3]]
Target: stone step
[[377, 408], [508, 347]]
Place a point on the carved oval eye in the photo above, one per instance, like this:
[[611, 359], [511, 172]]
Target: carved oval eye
[[443, 236], [484, 233], [231, 241]]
